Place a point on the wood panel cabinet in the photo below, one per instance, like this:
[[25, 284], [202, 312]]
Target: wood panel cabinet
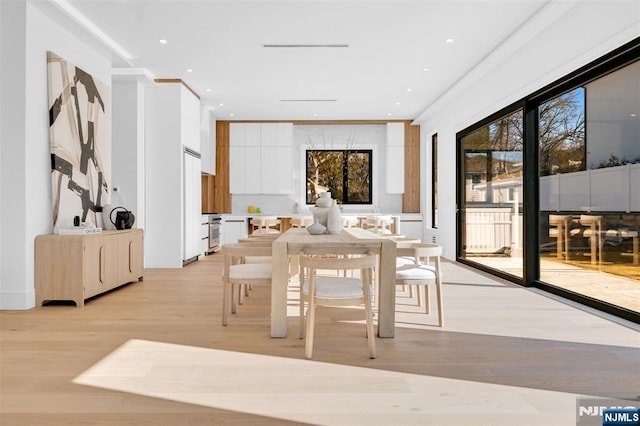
[[77, 267]]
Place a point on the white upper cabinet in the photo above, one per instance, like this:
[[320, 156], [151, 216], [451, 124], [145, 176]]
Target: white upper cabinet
[[208, 141], [260, 158], [252, 134], [395, 158], [190, 119]]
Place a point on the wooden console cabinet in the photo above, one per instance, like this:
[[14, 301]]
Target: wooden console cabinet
[[77, 267]]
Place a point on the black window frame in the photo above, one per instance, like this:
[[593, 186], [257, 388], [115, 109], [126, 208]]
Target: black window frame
[[345, 174]]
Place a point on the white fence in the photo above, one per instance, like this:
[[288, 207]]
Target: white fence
[[606, 189], [493, 229]]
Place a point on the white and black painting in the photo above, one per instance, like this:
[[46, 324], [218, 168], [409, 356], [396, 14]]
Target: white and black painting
[[80, 139]]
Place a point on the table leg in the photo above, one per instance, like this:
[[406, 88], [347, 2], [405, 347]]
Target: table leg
[[387, 290], [279, 283], [635, 250]]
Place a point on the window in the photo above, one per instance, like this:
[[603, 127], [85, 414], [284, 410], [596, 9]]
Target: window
[[344, 173], [434, 180], [562, 133]]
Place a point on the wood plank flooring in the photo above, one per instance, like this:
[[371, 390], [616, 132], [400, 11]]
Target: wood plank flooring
[[155, 353]]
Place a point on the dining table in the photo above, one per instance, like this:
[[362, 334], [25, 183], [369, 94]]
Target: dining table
[[289, 245]]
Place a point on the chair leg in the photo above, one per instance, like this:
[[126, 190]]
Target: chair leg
[[241, 287], [427, 299], [439, 300], [301, 314], [234, 303], [225, 303]]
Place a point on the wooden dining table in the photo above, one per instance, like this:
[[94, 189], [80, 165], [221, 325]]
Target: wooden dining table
[[289, 245]]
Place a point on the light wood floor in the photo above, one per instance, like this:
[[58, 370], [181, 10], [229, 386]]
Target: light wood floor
[[155, 353]]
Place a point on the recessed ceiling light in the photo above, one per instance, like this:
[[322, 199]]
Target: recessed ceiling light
[[633, 115], [220, 104], [397, 103], [162, 41], [315, 114], [231, 115], [208, 90], [189, 70], [389, 114], [449, 40], [409, 89], [426, 69]]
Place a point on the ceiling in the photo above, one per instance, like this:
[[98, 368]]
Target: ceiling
[[397, 63]]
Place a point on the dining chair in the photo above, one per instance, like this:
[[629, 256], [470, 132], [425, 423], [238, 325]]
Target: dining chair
[[593, 232], [380, 224], [236, 273], [350, 221], [560, 229], [262, 225], [419, 265], [301, 222], [317, 290]]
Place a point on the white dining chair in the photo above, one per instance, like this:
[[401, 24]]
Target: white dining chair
[[380, 224], [236, 273], [317, 290], [560, 229], [593, 232], [301, 222], [262, 225], [419, 265]]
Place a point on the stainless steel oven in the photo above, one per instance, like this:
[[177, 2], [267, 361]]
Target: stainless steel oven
[[215, 221]]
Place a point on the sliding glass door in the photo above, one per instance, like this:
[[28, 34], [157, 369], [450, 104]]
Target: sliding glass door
[[491, 210], [548, 188]]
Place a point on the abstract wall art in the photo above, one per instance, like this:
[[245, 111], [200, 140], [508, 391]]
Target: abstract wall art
[[80, 140]]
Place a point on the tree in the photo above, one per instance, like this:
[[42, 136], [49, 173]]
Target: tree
[[562, 134]]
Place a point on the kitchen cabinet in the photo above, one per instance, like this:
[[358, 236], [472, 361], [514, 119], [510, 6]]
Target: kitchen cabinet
[[232, 229], [208, 142], [395, 158], [260, 158], [192, 208], [77, 267], [172, 112], [411, 225]]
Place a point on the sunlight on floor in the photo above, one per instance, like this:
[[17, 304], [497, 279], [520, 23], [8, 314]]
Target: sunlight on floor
[[315, 392]]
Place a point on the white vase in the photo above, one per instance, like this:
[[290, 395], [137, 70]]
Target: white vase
[[334, 219], [316, 228], [320, 214], [324, 200]]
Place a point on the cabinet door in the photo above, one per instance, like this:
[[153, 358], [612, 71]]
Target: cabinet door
[[237, 170], [252, 171], [191, 207], [111, 263], [92, 264], [395, 169], [284, 134], [269, 170], [233, 229], [236, 134], [284, 170], [269, 134], [252, 134], [135, 250]]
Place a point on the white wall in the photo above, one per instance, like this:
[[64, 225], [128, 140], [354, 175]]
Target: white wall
[[128, 144], [369, 136], [27, 34], [563, 37]]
